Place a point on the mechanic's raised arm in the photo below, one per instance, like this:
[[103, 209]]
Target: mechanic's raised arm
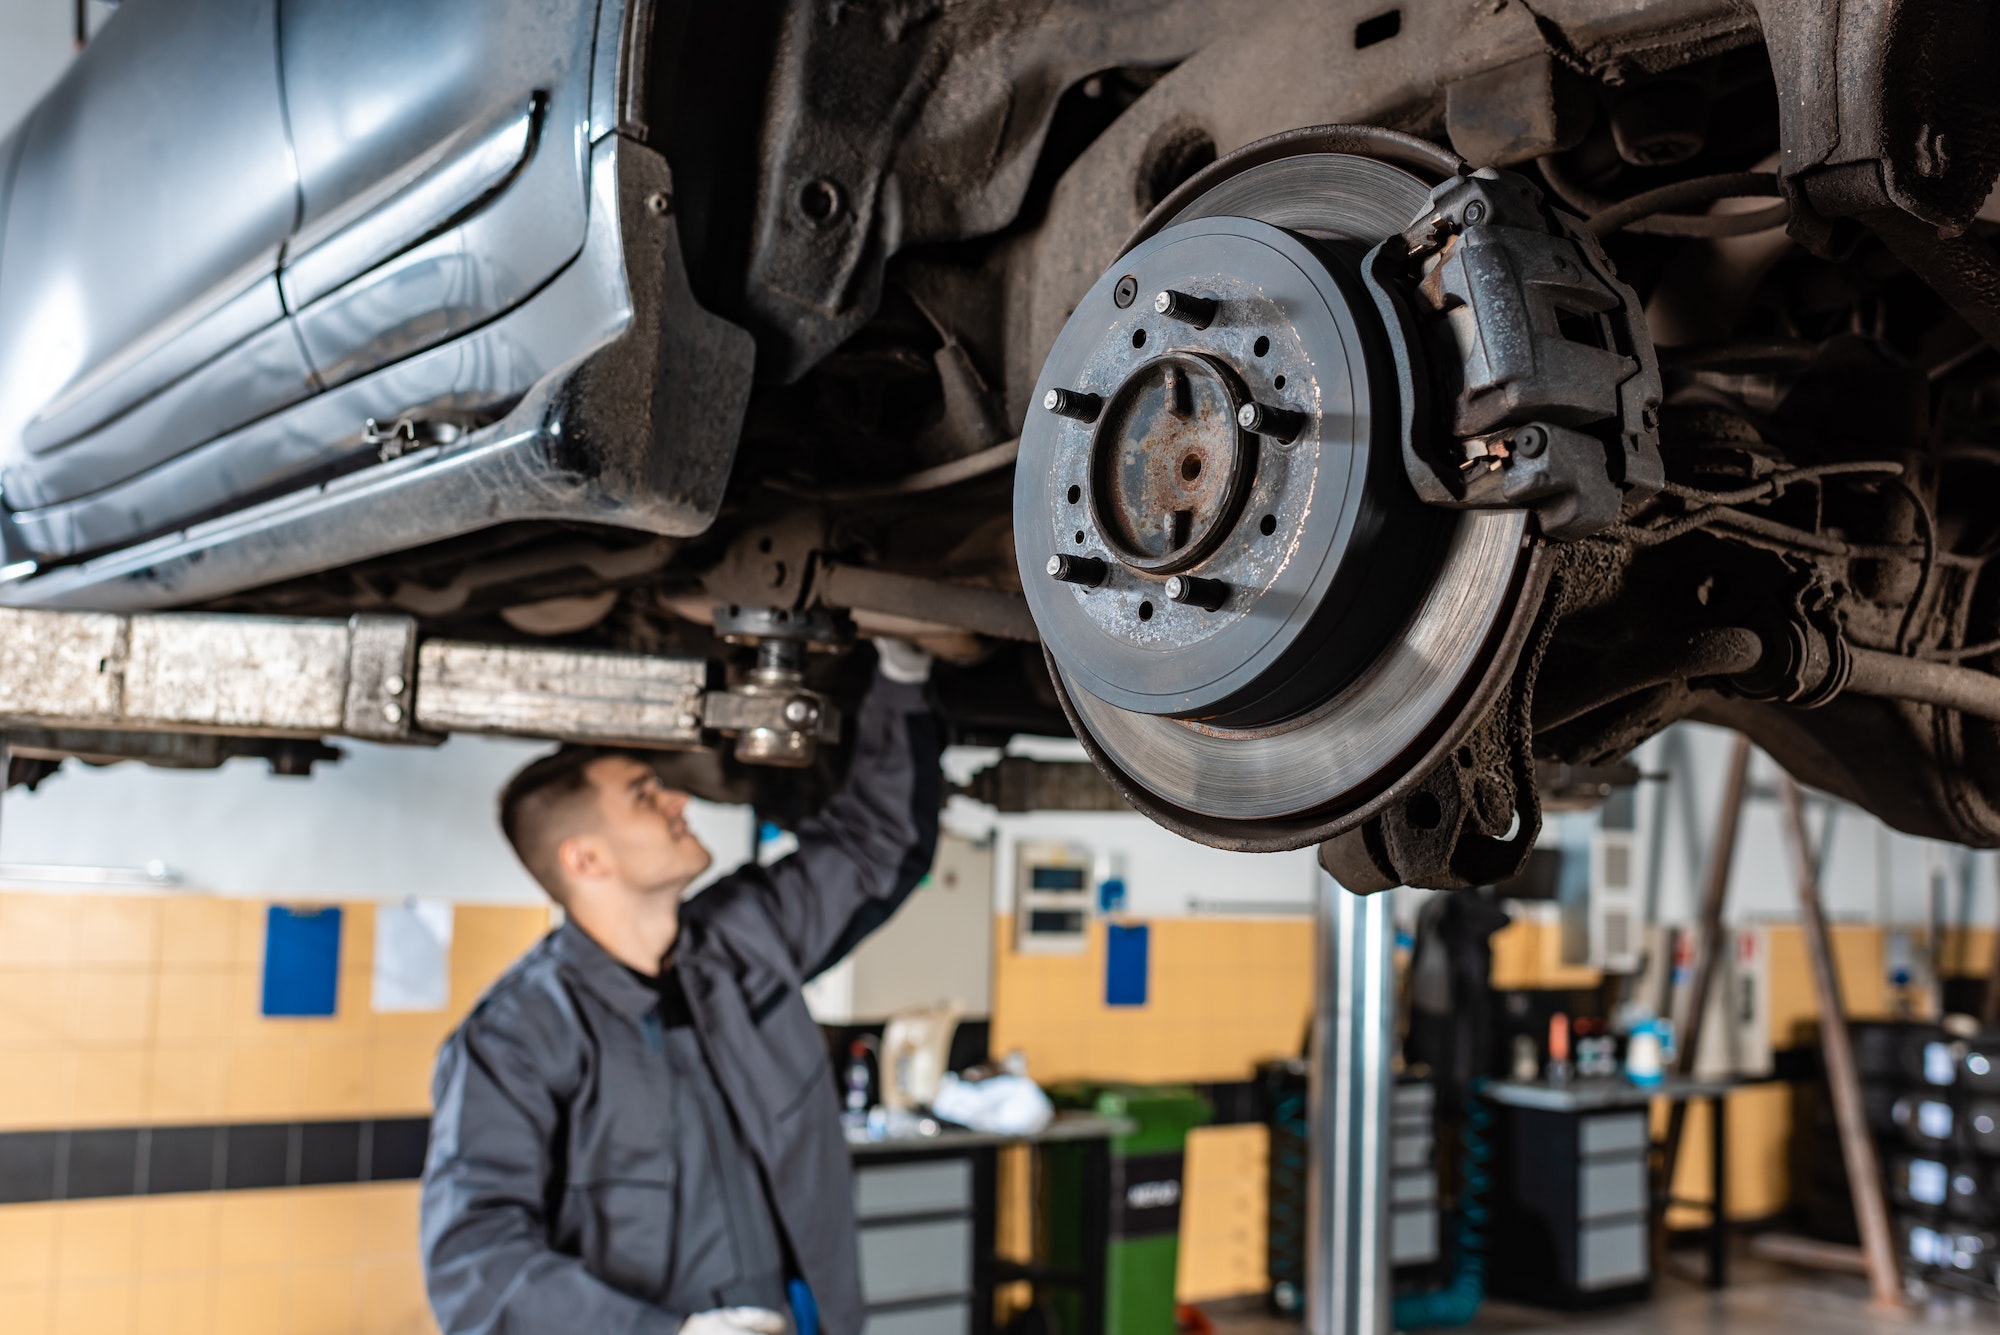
[[859, 858], [487, 1260]]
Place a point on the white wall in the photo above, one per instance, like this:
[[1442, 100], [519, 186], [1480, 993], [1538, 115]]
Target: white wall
[[1165, 875], [385, 822], [1870, 872]]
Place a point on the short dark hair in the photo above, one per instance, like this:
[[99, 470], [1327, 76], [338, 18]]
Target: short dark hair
[[533, 799]]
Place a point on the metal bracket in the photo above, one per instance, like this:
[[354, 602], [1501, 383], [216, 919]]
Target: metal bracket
[[1543, 354]]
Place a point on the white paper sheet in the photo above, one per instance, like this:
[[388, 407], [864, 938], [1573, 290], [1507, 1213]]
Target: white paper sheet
[[413, 955]]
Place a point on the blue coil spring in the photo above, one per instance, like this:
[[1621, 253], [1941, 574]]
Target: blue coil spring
[[1456, 1302], [1286, 1216]]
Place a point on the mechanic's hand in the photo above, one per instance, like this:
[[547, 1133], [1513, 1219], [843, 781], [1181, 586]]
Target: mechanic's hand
[[902, 661], [737, 1321]]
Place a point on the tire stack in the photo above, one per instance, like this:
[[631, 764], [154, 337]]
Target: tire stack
[[1933, 1103]]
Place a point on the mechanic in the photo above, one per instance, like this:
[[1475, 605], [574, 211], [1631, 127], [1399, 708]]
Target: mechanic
[[636, 1128]]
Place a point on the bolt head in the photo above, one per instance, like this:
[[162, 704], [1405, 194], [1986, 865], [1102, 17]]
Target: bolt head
[[1475, 212], [1529, 441], [394, 684], [392, 712]]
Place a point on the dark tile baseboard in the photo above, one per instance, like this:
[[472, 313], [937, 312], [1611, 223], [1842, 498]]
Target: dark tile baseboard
[[162, 1160]]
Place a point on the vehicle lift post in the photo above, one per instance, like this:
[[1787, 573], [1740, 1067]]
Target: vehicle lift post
[[1353, 1051]]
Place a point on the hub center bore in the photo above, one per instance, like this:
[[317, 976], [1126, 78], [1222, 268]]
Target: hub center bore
[[1169, 464]]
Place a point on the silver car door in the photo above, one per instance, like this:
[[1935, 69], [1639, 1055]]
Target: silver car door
[[442, 160], [139, 307]]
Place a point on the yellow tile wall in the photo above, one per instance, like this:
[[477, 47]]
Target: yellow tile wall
[[1527, 955], [1223, 1223], [1223, 995], [145, 1010], [139, 1010], [307, 1261]]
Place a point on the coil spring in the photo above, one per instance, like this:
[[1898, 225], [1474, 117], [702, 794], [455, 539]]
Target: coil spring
[[1286, 1214], [1455, 1304]]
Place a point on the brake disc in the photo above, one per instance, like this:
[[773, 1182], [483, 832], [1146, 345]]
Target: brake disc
[[1256, 627]]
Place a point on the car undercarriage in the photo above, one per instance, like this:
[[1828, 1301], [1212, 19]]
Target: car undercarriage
[[1326, 412]]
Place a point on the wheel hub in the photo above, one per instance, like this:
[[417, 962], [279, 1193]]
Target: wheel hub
[[1169, 464], [1253, 620], [1208, 501]]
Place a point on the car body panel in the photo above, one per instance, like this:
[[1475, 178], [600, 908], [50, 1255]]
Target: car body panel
[[622, 309], [447, 186], [153, 189], [442, 182]]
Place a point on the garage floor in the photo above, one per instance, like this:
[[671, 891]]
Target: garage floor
[[1762, 1299]]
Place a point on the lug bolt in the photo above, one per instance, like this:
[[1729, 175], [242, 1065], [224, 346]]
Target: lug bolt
[[1074, 404], [1085, 570], [1194, 591], [1197, 311], [1281, 424]]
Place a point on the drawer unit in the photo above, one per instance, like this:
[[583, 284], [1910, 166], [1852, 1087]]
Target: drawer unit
[[917, 1236], [934, 1186], [1570, 1206]]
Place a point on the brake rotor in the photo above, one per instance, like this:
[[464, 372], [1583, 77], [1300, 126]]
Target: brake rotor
[[1256, 628]]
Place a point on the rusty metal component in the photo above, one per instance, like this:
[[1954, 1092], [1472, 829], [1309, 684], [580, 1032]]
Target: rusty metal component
[[1535, 342], [852, 167], [1518, 111], [1207, 594], [1242, 736], [1020, 783], [1073, 405], [570, 694], [1940, 685], [1263, 419], [1169, 469], [986, 611], [776, 719], [1085, 570], [769, 565], [1168, 482], [289, 756], [152, 686], [1198, 312], [167, 672]]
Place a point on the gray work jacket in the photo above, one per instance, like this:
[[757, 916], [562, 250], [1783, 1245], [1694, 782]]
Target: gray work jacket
[[548, 1203]]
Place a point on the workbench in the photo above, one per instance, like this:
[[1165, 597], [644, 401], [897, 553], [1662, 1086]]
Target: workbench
[[1573, 1191], [924, 1205]]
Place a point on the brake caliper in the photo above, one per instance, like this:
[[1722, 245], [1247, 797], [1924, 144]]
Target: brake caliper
[[1543, 370]]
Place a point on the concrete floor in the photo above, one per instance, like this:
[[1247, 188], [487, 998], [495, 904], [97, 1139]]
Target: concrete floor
[[1763, 1299]]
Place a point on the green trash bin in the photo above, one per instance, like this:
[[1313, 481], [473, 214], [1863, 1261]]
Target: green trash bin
[[1128, 1197]]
